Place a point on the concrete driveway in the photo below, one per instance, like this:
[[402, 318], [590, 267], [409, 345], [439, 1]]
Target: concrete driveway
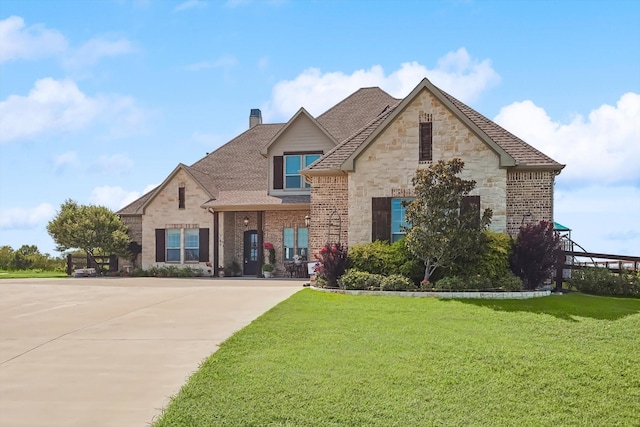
[[111, 351]]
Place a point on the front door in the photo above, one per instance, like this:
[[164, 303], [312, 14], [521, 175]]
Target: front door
[[250, 253]]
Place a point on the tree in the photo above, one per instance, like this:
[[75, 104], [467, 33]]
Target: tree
[[6, 257], [89, 228], [25, 257], [536, 253], [441, 229]]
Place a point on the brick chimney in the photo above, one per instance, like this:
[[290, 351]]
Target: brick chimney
[[255, 118]]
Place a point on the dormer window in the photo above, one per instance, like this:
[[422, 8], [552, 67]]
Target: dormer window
[[286, 171]]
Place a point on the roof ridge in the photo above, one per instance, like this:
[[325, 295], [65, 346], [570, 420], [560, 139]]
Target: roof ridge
[[344, 100]]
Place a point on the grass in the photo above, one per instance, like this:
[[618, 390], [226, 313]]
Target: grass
[[29, 274], [335, 360]]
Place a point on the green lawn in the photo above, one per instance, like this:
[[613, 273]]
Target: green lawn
[[26, 274], [334, 360]]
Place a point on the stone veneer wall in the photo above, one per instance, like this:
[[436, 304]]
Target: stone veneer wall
[[328, 194], [529, 192], [387, 166], [163, 210]]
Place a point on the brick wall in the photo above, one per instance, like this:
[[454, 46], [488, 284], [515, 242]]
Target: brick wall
[[134, 224], [329, 195], [529, 192]]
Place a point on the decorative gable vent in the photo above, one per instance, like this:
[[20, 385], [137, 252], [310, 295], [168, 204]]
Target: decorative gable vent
[[426, 138]]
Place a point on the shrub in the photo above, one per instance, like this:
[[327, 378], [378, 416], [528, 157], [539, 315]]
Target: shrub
[[600, 281], [536, 253], [509, 282], [333, 263], [396, 282], [383, 258], [451, 283], [360, 280], [493, 261]]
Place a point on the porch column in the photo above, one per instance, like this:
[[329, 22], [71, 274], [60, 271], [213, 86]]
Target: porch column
[[260, 227]]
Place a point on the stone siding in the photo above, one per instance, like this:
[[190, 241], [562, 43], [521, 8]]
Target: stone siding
[[163, 212], [529, 198], [387, 166], [329, 195]]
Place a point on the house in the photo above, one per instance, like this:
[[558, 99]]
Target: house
[[337, 177]]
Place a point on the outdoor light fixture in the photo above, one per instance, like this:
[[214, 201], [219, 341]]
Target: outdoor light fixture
[[307, 220], [245, 221]]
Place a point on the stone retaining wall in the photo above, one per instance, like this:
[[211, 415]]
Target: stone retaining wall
[[456, 295]]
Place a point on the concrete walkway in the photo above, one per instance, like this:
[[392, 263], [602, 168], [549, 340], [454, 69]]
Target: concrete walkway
[[111, 351]]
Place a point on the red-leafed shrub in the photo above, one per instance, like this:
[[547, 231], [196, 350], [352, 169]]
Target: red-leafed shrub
[[536, 253], [333, 262]]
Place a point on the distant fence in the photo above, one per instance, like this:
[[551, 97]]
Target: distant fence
[[103, 264], [577, 260]]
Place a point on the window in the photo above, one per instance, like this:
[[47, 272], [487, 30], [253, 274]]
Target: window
[[293, 164], [173, 245], [180, 197], [288, 242], [426, 141], [191, 245], [303, 242], [398, 219]]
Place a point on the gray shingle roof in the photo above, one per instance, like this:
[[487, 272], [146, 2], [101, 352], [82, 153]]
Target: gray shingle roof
[[523, 153], [333, 159], [355, 112]]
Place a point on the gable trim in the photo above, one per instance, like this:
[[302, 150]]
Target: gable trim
[[301, 112], [168, 179], [505, 159]]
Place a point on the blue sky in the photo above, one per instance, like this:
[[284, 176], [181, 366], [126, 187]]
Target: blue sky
[[100, 100]]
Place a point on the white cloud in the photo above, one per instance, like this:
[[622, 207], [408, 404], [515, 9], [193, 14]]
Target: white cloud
[[60, 106], [35, 41], [115, 197], [456, 73], [95, 49], [603, 219], [604, 148], [64, 160], [190, 4], [116, 164], [25, 218]]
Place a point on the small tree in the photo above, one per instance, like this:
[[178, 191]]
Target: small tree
[[89, 228], [441, 230], [536, 253]]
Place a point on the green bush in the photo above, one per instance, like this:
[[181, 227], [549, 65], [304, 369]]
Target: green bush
[[600, 281], [509, 282], [383, 258], [396, 282], [360, 280], [451, 283], [168, 271]]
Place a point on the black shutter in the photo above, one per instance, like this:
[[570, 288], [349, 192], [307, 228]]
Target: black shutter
[[381, 218], [426, 132], [204, 245], [470, 209], [278, 172], [160, 246]]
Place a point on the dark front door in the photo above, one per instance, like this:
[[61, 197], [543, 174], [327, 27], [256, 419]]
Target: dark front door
[[250, 253]]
